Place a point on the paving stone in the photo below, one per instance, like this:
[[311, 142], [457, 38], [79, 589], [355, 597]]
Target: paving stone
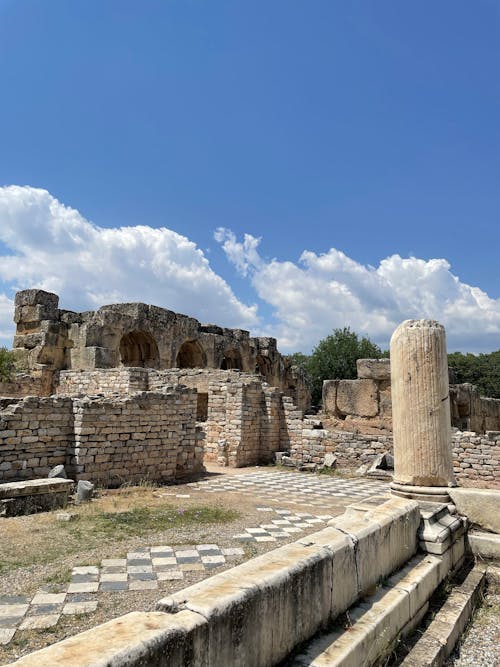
[[108, 586], [161, 552], [187, 553], [73, 608], [114, 576], [44, 609], [10, 610], [14, 599], [142, 576], [138, 562], [6, 635], [83, 578], [139, 569], [90, 587], [114, 562], [158, 562], [39, 622], [134, 555]]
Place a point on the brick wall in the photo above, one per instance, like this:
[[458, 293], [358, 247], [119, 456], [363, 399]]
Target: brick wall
[[104, 381], [476, 458], [114, 439], [147, 436], [35, 434]]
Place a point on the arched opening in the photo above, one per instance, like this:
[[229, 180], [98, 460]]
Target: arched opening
[[262, 365], [139, 349], [191, 355], [232, 360]]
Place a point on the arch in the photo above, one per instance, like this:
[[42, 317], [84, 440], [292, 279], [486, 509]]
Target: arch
[[262, 365], [191, 355], [139, 349], [232, 360]]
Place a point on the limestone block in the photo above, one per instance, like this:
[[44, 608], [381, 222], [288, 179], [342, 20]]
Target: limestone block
[[292, 584], [357, 397], [138, 639], [486, 545], [374, 369], [480, 506], [330, 396]]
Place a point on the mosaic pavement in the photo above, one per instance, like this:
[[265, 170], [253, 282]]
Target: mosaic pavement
[[140, 570], [293, 487], [282, 528]]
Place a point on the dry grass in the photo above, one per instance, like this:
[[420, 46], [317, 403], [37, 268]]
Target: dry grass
[[106, 523]]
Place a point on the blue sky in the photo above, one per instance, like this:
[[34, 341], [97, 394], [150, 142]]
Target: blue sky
[[347, 152]]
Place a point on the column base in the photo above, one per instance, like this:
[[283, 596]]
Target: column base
[[433, 494]]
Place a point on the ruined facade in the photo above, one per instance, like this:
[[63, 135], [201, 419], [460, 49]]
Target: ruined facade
[[365, 404], [137, 335]]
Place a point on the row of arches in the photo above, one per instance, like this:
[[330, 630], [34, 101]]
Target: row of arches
[[139, 349]]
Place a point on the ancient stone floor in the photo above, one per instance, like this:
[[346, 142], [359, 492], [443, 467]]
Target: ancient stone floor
[[139, 570], [294, 487], [146, 568]]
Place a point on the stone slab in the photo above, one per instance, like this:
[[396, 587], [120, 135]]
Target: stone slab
[[32, 487], [480, 506]]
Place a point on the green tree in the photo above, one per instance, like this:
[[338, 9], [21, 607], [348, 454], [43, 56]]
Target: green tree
[[335, 357], [7, 364], [483, 370]]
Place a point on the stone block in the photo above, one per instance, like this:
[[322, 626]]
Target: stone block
[[330, 396], [480, 506], [374, 369], [237, 605], [357, 397]]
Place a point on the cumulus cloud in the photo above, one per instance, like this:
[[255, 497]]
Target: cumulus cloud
[[322, 292], [53, 247]]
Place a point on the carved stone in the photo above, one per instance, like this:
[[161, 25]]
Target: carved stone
[[421, 410]]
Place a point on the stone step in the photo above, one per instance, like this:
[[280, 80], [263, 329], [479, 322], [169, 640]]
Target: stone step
[[372, 626], [440, 637], [484, 545]]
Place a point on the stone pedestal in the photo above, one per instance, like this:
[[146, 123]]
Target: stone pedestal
[[423, 465]]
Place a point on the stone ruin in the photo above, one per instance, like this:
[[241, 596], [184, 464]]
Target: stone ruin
[[132, 392], [379, 563], [137, 335]]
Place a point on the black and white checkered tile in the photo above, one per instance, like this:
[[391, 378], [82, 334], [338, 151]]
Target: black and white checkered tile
[[282, 528], [143, 569], [294, 487]]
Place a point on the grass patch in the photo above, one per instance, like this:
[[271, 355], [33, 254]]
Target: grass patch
[[141, 520]]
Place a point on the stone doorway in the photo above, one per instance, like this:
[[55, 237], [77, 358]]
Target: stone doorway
[[139, 349], [232, 360], [191, 355]]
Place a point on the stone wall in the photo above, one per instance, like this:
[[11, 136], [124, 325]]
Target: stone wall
[[476, 458], [139, 335], [103, 381], [146, 436], [113, 439], [35, 435], [367, 401], [27, 384]]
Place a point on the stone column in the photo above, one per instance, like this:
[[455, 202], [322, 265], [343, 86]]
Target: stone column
[[423, 464]]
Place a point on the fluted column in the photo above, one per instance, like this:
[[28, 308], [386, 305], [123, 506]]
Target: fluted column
[[423, 464]]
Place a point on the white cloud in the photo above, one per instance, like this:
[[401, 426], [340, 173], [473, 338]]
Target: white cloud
[[322, 292], [53, 247]]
